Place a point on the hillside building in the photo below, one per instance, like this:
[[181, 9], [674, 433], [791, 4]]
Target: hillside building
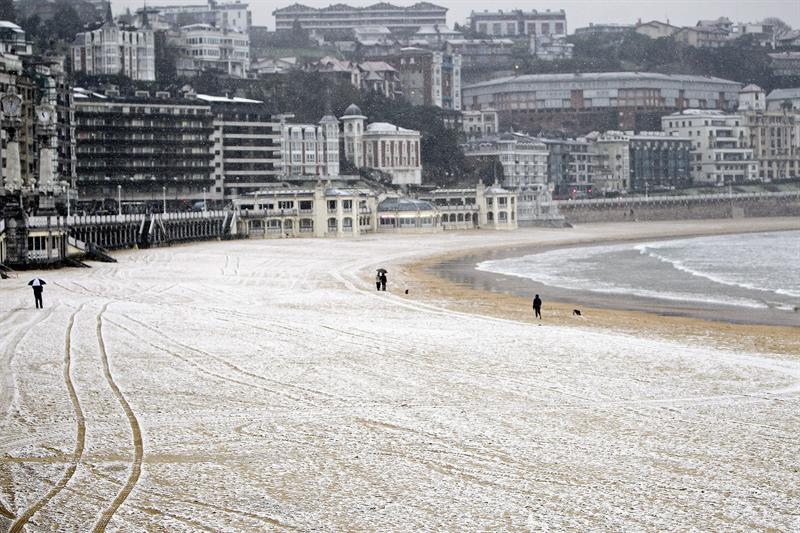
[[111, 50], [720, 152], [341, 17], [382, 146], [518, 22], [202, 47], [579, 103]]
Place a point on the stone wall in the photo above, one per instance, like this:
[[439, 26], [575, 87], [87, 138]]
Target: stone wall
[[680, 207]]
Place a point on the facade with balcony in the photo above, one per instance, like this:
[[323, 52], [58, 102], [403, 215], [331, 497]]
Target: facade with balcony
[[112, 50], [202, 47], [143, 148], [721, 153], [311, 149], [523, 159], [247, 146], [518, 22], [341, 17], [322, 210]]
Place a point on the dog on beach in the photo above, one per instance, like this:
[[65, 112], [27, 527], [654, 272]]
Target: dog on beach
[[576, 312]]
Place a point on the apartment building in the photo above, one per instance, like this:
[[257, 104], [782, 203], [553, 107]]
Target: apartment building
[[111, 50], [311, 149], [580, 103], [720, 153], [775, 140], [429, 77], [202, 47], [247, 142], [342, 17], [572, 166], [523, 159], [234, 16], [518, 22], [143, 148], [476, 53], [476, 124]]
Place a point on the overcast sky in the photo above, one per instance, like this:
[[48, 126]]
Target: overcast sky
[[579, 12]]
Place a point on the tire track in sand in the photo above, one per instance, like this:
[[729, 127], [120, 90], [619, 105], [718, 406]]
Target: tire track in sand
[[138, 447], [80, 439]]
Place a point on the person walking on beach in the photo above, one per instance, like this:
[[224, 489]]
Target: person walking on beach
[[38, 286], [383, 281], [378, 281], [537, 307]]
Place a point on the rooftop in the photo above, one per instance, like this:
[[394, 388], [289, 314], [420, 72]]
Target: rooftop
[[601, 76], [404, 204]]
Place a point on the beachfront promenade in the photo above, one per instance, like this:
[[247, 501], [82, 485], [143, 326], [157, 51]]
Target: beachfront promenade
[[264, 384]]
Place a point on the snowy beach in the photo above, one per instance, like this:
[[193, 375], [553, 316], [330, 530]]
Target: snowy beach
[[265, 384]]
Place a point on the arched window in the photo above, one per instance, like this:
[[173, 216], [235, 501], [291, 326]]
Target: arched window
[[332, 225], [306, 225], [490, 216], [347, 224], [502, 216], [461, 217]]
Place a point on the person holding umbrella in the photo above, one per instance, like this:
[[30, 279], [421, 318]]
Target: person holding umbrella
[[380, 280], [38, 286]]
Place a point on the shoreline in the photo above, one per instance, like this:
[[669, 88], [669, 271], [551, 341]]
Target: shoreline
[[489, 293]]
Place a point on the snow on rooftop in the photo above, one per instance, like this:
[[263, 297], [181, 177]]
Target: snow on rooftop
[[227, 99]]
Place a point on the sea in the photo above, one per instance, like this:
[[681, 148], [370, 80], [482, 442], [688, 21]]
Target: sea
[[759, 271]]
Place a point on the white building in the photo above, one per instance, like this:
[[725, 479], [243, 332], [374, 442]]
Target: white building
[[13, 40], [613, 171], [550, 47], [720, 152], [247, 146], [780, 99], [523, 159], [774, 131], [311, 149], [204, 47], [517, 22], [232, 16], [382, 146], [476, 124], [752, 98], [338, 17], [111, 50]]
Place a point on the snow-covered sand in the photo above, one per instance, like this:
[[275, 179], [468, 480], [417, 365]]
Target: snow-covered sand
[[252, 385]]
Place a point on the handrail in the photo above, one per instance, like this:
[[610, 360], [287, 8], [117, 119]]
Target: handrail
[[658, 199]]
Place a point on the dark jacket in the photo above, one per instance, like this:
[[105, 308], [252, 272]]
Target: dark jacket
[[537, 302]]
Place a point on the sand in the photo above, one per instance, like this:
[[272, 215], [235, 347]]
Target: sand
[[266, 385]]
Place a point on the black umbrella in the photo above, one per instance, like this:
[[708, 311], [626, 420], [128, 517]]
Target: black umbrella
[[37, 282], [382, 271]]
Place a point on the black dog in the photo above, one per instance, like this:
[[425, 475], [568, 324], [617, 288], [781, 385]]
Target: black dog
[[576, 312]]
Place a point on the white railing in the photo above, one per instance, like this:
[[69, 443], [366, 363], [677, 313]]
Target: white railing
[[685, 198], [37, 255]]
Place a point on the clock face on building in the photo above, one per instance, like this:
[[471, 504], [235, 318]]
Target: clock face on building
[[44, 115], [12, 105]]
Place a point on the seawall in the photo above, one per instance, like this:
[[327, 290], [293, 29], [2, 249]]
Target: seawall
[[680, 207]]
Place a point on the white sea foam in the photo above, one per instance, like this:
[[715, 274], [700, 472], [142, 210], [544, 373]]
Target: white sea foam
[[758, 268]]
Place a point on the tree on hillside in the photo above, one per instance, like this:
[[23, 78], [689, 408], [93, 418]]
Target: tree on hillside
[[7, 11], [778, 25], [66, 22]]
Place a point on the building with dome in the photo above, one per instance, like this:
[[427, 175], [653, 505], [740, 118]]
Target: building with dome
[[382, 146]]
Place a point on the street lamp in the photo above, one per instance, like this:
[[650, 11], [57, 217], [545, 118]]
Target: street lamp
[[119, 199], [204, 199], [164, 197]]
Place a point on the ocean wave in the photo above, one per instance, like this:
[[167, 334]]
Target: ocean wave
[[589, 285]]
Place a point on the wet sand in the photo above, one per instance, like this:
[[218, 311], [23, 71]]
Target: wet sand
[[453, 278]]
